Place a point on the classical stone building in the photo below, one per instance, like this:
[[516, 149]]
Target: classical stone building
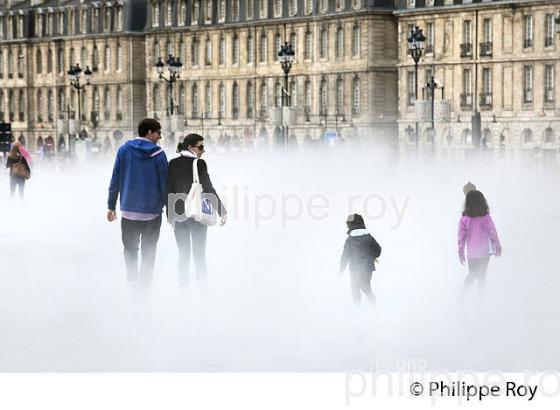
[[344, 77], [39, 40], [498, 58]]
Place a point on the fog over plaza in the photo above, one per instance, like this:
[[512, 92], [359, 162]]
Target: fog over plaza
[[274, 300]]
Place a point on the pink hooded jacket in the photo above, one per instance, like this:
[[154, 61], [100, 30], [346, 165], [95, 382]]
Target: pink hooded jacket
[[480, 236]]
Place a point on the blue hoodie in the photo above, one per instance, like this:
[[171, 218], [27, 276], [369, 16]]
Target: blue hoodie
[[139, 175]]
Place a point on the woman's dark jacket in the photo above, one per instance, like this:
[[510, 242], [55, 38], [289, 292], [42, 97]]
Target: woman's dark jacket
[[180, 179], [11, 161], [360, 251]]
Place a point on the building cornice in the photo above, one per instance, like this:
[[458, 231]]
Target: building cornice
[[453, 8]]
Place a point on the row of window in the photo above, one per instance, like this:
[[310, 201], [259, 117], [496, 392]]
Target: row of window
[[45, 103], [170, 13], [263, 53], [70, 21], [252, 91], [487, 35], [486, 86]]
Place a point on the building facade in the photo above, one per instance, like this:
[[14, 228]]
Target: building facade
[[344, 77], [498, 58], [39, 40]]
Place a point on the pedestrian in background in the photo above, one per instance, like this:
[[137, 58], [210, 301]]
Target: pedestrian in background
[[18, 162], [360, 252], [478, 234]]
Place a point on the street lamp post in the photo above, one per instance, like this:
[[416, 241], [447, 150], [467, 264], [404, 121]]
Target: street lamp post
[[286, 57], [415, 47], [174, 65], [74, 73]]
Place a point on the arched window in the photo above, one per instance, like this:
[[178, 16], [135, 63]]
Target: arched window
[[107, 58], [339, 42], [548, 136], [277, 94], [39, 62], [208, 11], [527, 136], [293, 41], [194, 100], [156, 50], [308, 51], [83, 58], [308, 6], [235, 50], [339, 96], [293, 7], [263, 97], [195, 52], [40, 105], [107, 103], [61, 62], [222, 11], [49, 61], [250, 49], [95, 59], [119, 57], [208, 59], [84, 21], [169, 13], [293, 94], [120, 106], [356, 40], [221, 101], [21, 105], [323, 96], [118, 18], [182, 13], [356, 96], [182, 50], [250, 100], [61, 101], [96, 105], [308, 96], [324, 43], [277, 8], [156, 100], [11, 105], [222, 53], [195, 11], [107, 20], [50, 105], [155, 14], [262, 48], [277, 45], [250, 9], [72, 56], [208, 100], [182, 99], [235, 10], [235, 101], [21, 62]]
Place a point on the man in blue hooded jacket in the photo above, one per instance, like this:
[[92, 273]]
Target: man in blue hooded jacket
[[139, 176]]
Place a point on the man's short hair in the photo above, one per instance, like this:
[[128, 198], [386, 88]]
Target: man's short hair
[[147, 125]]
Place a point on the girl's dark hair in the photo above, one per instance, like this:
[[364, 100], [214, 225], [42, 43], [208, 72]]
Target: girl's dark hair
[[189, 140], [475, 204], [355, 221]]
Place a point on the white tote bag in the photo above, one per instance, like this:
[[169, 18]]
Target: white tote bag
[[198, 205]]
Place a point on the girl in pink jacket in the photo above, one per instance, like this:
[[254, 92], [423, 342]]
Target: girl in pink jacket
[[478, 233]]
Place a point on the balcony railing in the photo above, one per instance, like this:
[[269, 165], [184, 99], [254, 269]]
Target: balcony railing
[[549, 95], [466, 100], [527, 96], [486, 49], [466, 50], [485, 100], [549, 41], [528, 43]]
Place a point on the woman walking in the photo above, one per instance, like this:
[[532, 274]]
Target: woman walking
[[191, 232], [478, 233], [18, 163]]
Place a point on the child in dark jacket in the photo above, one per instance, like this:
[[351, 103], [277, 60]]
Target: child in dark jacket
[[360, 251]]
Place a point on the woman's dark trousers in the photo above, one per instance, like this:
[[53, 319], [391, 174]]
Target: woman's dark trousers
[[186, 233]]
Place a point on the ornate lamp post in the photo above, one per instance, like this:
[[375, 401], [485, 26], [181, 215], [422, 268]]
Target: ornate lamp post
[[174, 65], [74, 74], [286, 57], [415, 48]]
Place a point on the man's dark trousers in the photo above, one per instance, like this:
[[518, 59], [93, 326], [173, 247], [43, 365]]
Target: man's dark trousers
[[144, 234]]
